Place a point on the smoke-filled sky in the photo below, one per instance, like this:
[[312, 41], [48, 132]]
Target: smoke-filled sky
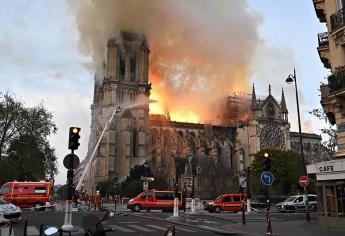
[[200, 51]]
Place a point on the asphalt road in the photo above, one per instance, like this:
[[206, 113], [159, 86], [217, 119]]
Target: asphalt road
[[124, 225], [202, 223]]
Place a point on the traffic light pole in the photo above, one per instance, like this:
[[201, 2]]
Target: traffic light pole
[[67, 226], [243, 206], [192, 208], [268, 212]]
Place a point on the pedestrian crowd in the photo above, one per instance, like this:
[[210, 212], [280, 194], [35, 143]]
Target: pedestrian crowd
[[93, 201]]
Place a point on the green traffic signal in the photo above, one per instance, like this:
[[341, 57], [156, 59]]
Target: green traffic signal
[[73, 142]]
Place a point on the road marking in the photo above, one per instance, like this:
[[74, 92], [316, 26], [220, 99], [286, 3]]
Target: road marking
[[122, 229], [178, 228], [157, 227], [5, 231], [213, 229], [32, 230], [141, 228]]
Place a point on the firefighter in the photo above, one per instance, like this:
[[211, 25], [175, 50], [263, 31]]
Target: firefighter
[[97, 201]]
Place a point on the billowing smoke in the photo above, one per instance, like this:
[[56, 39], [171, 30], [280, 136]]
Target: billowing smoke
[[201, 50]]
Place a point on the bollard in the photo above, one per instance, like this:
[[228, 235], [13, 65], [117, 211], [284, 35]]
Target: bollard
[[25, 228], [11, 228], [41, 230]]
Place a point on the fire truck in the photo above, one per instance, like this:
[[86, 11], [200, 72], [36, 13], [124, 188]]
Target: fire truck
[[27, 194]]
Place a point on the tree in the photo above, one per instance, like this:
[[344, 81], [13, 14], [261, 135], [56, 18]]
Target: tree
[[24, 148], [62, 192], [11, 120], [286, 166], [330, 132], [106, 187]]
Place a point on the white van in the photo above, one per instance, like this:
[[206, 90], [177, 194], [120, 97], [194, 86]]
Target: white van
[[297, 202]]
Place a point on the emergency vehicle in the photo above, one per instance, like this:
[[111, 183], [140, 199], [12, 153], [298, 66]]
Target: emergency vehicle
[[226, 202], [154, 199], [27, 194]]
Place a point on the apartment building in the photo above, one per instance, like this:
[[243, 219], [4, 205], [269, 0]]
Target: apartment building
[[330, 175]]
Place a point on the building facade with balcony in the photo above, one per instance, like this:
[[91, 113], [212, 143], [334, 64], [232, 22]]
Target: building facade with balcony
[[329, 175]]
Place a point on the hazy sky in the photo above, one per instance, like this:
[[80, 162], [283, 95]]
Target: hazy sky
[[41, 61]]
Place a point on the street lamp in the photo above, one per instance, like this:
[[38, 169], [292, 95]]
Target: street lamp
[[290, 79]]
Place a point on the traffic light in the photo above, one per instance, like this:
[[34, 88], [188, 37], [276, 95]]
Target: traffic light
[[74, 136], [266, 164]]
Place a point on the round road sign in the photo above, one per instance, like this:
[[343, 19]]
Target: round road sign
[[267, 178], [303, 181], [71, 161]]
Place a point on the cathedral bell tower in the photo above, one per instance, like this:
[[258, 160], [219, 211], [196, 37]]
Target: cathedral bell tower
[[125, 84]]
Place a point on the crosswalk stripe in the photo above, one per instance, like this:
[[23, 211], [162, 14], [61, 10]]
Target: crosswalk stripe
[[122, 229], [4, 231], [157, 227], [141, 228], [213, 229], [178, 228], [32, 230]]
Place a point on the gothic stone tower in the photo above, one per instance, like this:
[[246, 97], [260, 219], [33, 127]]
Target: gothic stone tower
[[125, 83]]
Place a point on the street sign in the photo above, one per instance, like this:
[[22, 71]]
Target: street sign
[[303, 181], [188, 181], [242, 182], [71, 161], [147, 179], [267, 178], [145, 186]]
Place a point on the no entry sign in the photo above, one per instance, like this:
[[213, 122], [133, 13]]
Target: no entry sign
[[303, 181]]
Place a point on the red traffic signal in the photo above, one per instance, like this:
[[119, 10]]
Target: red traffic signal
[[73, 142]]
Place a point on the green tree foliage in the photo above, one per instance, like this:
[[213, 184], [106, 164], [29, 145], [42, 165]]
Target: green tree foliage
[[106, 187], [330, 131], [286, 166], [25, 153], [133, 185], [62, 192]]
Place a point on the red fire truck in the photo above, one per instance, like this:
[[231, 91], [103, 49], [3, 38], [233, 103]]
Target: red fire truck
[[27, 194]]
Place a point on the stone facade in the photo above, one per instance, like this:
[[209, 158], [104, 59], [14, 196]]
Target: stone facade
[[214, 155], [331, 52]]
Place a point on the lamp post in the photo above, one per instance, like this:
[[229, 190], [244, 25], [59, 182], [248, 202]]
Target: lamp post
[[290, 79]]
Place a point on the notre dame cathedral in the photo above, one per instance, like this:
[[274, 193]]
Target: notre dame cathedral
[[213, 154]]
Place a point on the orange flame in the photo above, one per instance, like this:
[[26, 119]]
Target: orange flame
[[162, 106]]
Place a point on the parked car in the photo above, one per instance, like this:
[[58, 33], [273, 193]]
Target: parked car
[[154, 199], [9, 212], [225, 202], [297, 202]]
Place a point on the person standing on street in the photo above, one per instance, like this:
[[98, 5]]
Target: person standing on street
[[97, 201]]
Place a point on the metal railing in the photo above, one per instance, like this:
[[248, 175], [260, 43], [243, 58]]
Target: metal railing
[[336, 81], [323, 39], [337, 19]]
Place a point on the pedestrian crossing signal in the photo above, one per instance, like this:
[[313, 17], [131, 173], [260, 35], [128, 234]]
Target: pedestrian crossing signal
[[74, 136]]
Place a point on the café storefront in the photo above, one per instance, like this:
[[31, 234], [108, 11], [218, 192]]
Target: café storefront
[[330, 187]]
